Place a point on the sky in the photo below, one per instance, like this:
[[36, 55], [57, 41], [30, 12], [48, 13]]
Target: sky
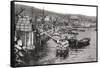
[[64, 9]]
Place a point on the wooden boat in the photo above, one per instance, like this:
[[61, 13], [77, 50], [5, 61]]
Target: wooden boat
[[74, 43], [62, 50], [83, 42]]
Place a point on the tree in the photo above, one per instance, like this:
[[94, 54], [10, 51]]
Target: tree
[[18, 13], [54, 20]]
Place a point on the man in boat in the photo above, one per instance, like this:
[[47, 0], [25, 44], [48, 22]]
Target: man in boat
[[62, 48]]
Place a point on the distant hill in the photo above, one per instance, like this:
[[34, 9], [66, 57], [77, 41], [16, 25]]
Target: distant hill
[[36, 11]]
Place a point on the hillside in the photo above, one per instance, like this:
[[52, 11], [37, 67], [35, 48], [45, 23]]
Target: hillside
[[67, 18]]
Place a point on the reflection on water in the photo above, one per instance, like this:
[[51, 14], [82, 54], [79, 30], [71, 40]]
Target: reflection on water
[[81, 55]]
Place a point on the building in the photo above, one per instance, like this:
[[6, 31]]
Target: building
[[24, 29]]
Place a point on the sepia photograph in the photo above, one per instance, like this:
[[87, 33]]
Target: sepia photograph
[[51, 33]]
